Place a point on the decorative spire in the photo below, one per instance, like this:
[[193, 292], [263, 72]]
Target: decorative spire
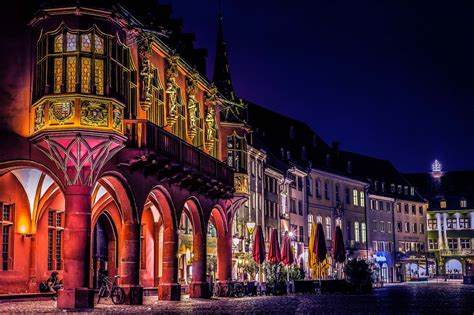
[[221, 76]]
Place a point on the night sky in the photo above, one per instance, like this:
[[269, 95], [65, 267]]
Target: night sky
[[389, 79]]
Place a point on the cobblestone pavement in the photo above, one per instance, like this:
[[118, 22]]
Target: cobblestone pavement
[[407, 298]]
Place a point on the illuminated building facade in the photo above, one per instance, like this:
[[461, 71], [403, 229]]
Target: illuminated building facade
[[110, 154], [450, 219]]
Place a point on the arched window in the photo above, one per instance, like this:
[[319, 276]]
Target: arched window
[[356, 232], [328, 228], [355, 197]]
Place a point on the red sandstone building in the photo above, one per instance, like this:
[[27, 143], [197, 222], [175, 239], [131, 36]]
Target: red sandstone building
[[110, 153]]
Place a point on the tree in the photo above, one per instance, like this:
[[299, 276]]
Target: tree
[[359, 275]]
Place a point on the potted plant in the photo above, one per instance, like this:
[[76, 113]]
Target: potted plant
[[275, 278], [359, 275]]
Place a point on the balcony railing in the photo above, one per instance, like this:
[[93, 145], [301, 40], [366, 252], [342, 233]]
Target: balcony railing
[[456, 252], [143, 134]]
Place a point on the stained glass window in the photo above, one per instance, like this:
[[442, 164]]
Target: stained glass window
[[71, 42], [71, 74], [99, 44], [85, 74], [99, 76], [86, 42], [58, 43], [58, 74]]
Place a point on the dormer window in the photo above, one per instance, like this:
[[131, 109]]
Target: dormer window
[[315, 141], [442, 204], [383, 186], [328, 160], [399, 189], [288, 155], [405, 190], [463, 203], [292, 132], [376, 185], [412, 191], [282, 153], [349, 167], [392, 188]]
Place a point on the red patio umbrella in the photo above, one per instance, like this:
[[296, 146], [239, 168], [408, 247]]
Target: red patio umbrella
[[338, 248], [274, 255], [258, 250], [286, 252]]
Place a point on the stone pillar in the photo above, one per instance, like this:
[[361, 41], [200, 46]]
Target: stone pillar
[[472, 221], [445, 233], [224, 257], [199, 285], [169, 289], [440, 236], [457, 214], [130, 263], [33, 285], [77, 240]]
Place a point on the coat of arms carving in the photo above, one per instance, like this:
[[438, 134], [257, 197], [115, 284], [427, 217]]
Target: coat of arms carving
[[61, 111], [39, 117], [94, 114]]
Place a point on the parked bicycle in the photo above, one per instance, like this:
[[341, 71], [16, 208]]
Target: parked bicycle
[[229, 289], [110, 289]]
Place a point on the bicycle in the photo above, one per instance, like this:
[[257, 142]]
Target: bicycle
[[110, 289]]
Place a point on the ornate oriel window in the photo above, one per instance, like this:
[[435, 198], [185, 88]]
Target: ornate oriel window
[[85, 61], [6, 224], [55, 232]]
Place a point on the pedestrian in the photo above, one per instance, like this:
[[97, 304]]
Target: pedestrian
[[54, 283]]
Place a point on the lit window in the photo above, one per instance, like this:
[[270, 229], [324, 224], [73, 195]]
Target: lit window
[[356, 232], [328, 228], [58, 74], [99, 44], [86, 42], [99, 76], [85, 75], [310, 222], [319, 219], [55, 230], [71, 42], [71, 74], [363, 232], [6, 225], [58, 43], [463, 203], [355, 197], [442, 204], [362, 199]]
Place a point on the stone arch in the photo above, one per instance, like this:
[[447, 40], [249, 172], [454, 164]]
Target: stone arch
[[29, 189]]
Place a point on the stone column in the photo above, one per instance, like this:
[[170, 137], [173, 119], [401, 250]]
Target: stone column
[[445, 233], [199, 286], [77, 240], [457, 214], [440, 236], [169, 289], [130, 263], [224, 257], [33, 285]]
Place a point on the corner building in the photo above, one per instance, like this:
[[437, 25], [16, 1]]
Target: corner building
[[110, 154]]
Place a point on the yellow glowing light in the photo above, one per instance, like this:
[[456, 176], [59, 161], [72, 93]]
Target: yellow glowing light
[[22, 229]]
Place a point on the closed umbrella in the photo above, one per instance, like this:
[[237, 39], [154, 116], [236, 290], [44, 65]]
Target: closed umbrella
[[312, 263], [320, 250], [274, 255], [338, 248], [286, 252], [258, 250]]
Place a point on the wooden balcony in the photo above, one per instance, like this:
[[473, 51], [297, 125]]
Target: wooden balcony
[[173, 158]]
